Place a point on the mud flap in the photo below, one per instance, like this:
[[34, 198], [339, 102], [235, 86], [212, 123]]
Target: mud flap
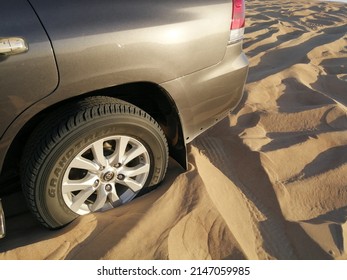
[[2, 221]]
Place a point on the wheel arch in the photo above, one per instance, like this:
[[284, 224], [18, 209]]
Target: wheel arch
[[148, 96]]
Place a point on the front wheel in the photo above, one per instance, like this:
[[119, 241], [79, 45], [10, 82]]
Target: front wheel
[[91, 156]]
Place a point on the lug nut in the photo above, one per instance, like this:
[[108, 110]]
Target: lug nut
[[96, 183], [108, 188], [120, 177], [117, 165]]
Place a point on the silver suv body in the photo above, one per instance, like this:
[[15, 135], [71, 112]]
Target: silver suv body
[[95, 95]]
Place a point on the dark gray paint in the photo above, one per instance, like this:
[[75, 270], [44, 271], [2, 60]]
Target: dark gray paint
[[179, 45], [114, 42]]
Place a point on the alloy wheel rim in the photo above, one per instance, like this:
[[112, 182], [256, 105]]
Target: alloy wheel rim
[[105, 174]]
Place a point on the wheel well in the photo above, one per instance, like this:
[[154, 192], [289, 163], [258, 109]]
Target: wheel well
[[147, 96]]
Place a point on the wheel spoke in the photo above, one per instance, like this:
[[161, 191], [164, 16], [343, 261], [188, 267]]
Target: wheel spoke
[[98, 152], [133, 153], [121, 148], [113, 159], [133, 185], [137, 170], [78, 185], [79, 199], [83, 163], [100, 200], [114, 198], [104, 197]]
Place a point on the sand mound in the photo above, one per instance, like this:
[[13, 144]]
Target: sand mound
[[268, 182]]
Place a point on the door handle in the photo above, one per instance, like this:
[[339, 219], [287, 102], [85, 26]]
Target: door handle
[[12, 45]]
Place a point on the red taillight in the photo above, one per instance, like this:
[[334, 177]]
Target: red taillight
[[238, 15]]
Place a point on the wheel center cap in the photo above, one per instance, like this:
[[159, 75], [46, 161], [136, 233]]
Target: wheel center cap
[[108, 176]]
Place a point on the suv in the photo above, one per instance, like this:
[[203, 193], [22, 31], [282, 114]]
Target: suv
[[95, 95]]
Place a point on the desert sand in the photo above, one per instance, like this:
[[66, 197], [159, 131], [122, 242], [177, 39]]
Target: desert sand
[[267, 182]]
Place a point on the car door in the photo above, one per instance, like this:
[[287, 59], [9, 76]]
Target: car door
[[28, 70]]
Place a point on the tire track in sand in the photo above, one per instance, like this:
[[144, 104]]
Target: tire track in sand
[[239, 165]]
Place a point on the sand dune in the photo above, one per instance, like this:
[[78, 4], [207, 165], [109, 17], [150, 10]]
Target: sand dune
[[268, 182]]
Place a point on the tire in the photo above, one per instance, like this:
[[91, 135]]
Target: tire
[[90, 156]]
